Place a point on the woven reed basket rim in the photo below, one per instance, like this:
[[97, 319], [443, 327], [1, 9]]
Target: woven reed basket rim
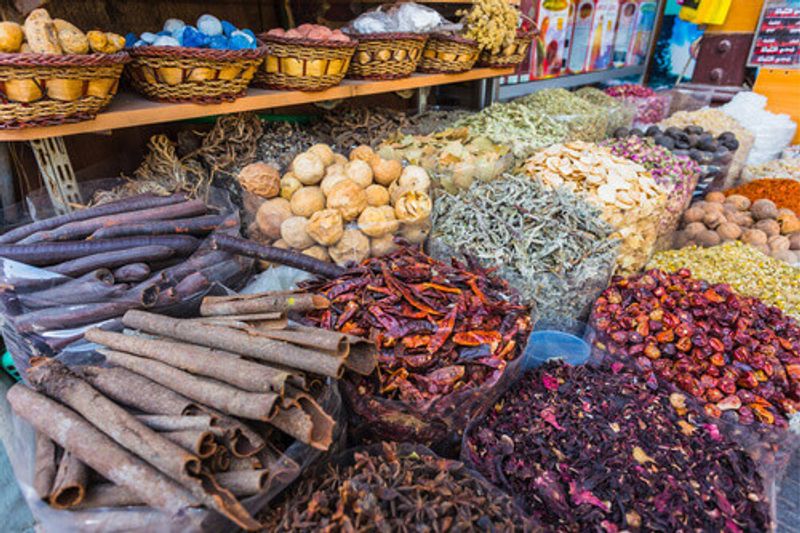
[[29, 59], [383, 36], [185, 52], [309, 43], [441, 36]]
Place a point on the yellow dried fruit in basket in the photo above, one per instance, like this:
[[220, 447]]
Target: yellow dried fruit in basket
[[105, 42], [71, 39], [24, 91], [40, 32], [10, 37], [65, 90]]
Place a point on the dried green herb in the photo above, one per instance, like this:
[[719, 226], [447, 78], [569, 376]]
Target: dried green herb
[[584, 121], [620, 114], [551, 245]]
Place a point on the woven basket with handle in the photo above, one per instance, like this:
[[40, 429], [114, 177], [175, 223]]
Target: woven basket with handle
[[446, 53], [303, 64], [510, 56], [49, 89], [199, 75], [386, 56]]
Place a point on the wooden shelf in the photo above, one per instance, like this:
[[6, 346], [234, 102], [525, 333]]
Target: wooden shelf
[[512, 2], [129, 109]]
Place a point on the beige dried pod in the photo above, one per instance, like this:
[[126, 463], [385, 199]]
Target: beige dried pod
[[416, 178], [289, 185], [318, 252], [334, 169], [294, 232], [416, 233], [385, 171], [307, 201], [377, 195], [379, 246], [360, 172], [308, 168], [326, 226], [352, 247], [377, 222], [363, 152], [261, 179], [271, 215], [324, 152], [339, 159], [779, 243], [329, 181], [348, 198], [413, 207]]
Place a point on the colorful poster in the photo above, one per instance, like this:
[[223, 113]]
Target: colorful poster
[[645, 24], [626, 26], [777, 39], [605, 23], [581, 36], [553, 22]]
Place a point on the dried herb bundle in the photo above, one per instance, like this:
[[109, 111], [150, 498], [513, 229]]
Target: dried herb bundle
[[587, 449], [551, 245], [396, 488]]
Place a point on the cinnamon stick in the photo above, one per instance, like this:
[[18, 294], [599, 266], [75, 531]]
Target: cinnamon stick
[[244, 482], [87, 443], [109, 495], [176, 423], [69, 487], [221, 460], [268, 302], [199, 442], [302, 418], [245, 463], [45, 465], [334, 342], [222, 366], [226, 398], [247, 342]]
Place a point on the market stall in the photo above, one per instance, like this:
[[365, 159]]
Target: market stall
[[576, 309]]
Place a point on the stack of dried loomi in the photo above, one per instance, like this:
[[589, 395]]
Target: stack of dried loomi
[[191, 414]]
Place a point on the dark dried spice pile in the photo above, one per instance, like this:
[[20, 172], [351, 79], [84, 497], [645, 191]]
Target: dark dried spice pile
[[438, 327], [738, 356], [590, 450], [398, 488]]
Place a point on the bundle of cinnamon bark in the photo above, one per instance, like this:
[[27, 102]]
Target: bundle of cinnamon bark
[[94, 264], [188, 412]]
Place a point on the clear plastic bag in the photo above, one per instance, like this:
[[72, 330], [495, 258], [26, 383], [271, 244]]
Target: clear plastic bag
[[294, 461], [402, 17], [589, 127], [650, 109]]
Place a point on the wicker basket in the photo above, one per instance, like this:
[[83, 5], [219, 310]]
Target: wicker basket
[[48, 89], [446, 53], [198, 75], [511, 55], [303, 64], [386, 56]]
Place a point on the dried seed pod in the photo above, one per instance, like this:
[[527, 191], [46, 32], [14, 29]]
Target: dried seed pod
[[324, 152], [353, 247], [308, 168], [261, 179], [413, 207], [271, 215], [330, 180], [377, 195], [326, 226], [289, 185], [377, 222], [359, 172], [294, 232], [348, 198], [386, 171], [307, 201], [363, 152]]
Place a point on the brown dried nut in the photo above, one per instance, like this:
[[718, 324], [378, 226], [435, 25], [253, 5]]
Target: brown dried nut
[[742, 219], [307, 201], [416, 233], [742, 203], [348, 198], [261, 179], [769, 226], [787, 256], [360, 172], [352, 247], [763, 208], [363, 152], [377, 195], [794, 240], [779, 243], [385, 171], [324, 152], [729, 231], [682, 239], [329, 181], [708, 238], [289, 185], [763, 248], [318, 252], [693, 229], [377, 222], [755, 237], [712, 219], [693, 214], [379, 246], [713, 207], [789, 223], [271, 215], [715, 197], [308, 168], [415, 178], [413, 207], [326, 227], [294, 232]]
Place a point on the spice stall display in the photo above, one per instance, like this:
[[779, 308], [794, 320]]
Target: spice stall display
[[195, 426], [627, 195], [587, 449], [62, 274], [772, 231], [619, 114], [454, 157], [394, 487], [584, 120], [747, 270], [445, 335], [788, 168], [651, 106], [341, 210], [784, 193], [549, 244], [677, 175], [53, 73]]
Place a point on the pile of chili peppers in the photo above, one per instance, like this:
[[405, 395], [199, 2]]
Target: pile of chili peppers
[[391, 487], [439, 329], [738, 356], [587, 449]]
